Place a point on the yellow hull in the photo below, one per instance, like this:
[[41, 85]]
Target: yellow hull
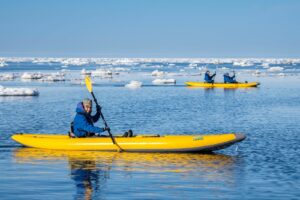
[[171, 143], [222, 85]]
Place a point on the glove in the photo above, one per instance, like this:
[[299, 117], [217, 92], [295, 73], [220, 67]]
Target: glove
[[106, 129], [98, 108], [90, 134]]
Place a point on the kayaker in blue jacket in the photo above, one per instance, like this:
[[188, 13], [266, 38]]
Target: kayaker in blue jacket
[[229, 79], [208, 77], [83, 123]]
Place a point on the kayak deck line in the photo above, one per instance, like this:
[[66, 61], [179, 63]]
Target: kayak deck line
[[122, 143], [166, 143]]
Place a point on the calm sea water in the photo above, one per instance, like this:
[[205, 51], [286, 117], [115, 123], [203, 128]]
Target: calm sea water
[[264, 166]]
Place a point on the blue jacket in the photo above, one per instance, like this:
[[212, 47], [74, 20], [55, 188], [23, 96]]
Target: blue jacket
[[229, 79], [209, 78], [84, 122]]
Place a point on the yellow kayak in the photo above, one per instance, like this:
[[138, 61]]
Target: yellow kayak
[[222, 85], [140, 143]]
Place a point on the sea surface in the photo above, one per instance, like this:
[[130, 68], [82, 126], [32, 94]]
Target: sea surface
[[264, 166]]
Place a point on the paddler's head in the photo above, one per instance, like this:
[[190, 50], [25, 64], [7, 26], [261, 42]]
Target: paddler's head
[[87, 105]]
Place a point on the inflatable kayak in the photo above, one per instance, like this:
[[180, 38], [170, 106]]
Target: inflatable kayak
[[140, 143], [222, 85]]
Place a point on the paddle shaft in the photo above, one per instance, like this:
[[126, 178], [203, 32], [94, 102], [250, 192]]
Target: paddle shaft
[[104, 121]]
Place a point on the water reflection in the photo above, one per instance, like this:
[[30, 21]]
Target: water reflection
[[90, 170], [88, 177]]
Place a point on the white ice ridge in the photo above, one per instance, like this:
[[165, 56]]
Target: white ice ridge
[[164, 81], [7, 77], [136, 61], [18, 91], [134, 84]]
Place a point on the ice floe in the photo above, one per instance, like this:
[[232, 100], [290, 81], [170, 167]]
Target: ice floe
[[27, 75], [7, 77], [157, 73], [164, 81], [275, 69], [3, 64], [53, 77], [85, 72], [18, 91], [102, 73], [134, 84]]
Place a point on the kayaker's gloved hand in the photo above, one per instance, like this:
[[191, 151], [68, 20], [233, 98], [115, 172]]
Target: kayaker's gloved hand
[[90, 134], [98, 108], [106, 129]]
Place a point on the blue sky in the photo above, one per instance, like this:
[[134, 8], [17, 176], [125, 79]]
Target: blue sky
[[150, 28]]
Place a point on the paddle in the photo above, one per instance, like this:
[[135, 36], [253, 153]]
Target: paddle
[[89, 86]]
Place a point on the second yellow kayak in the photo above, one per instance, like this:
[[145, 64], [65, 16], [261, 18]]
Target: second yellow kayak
[[221, 85]]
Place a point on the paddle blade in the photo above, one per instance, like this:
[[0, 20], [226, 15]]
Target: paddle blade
[[89, 84]]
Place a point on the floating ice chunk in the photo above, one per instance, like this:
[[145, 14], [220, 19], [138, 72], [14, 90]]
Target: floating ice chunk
[[85, 72], [157, 73], [3, 64], [164, 81], [281, 74], [77, 82], [243, 63], [31, 76], [275, 69], [7, 77], [193, 65], [203, 68], [102, 73], [265, 65], [54, 77], [134, 84], [18, 91], [224, 68], [257, 73]]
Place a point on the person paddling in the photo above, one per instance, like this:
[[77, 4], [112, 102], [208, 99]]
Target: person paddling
[[83, 124], [209, 78], [229, 79]]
